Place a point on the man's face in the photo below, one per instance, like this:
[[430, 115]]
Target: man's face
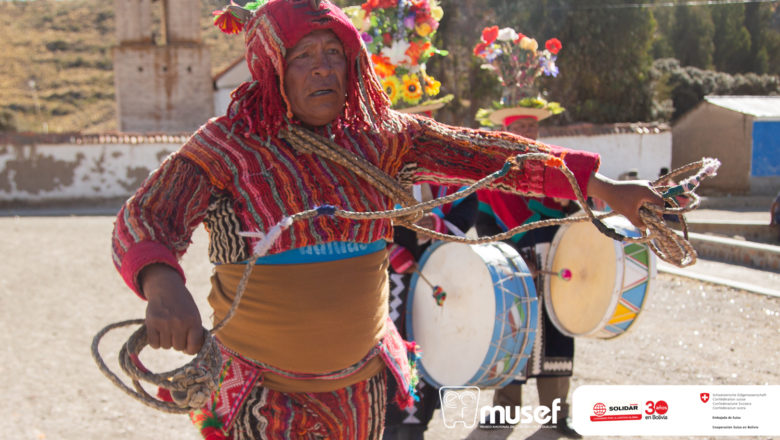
[[526, 127], [315, 78]]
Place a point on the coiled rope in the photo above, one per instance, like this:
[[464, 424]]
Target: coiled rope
[[192, 384]]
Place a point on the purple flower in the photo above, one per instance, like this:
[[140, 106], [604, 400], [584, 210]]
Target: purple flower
[[366, 38], [549, 67], [409, 21], [492, 52]]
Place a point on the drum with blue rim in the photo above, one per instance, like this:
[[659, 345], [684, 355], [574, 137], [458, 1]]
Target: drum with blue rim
[[482, 333]]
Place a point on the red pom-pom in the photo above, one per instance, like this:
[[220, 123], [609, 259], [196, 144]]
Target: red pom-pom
[[211, 433]]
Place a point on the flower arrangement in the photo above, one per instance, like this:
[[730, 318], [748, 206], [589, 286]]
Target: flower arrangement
[[398, 35], [517, 61]]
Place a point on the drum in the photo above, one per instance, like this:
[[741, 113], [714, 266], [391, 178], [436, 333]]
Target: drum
[[483, 332], [609, 284]]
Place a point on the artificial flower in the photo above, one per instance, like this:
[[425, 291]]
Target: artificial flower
[[409, 21], [227, 21], [357, 15], [553, 45], [423, 29], [382, 66], [437, 13], [412, 90], [396, 53], [417, 50], [548, 66], [529, 44], [489, 34], [398, 36], [392, 86], [517, 62], [432, 87], [507, 34]]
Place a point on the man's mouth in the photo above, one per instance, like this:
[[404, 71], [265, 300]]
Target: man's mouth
[[322, 92]]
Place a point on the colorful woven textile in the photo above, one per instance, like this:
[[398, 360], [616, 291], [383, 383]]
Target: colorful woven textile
[[355, 412]]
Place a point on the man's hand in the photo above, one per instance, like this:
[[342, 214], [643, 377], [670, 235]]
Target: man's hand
[[624, 197], [172, 318]]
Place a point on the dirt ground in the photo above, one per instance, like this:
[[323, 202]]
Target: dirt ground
[[58, 288]]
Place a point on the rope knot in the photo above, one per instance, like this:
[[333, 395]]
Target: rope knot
[[326, 210], [192, 387]]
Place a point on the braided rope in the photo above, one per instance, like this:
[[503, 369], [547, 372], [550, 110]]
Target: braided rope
[[192, 384]]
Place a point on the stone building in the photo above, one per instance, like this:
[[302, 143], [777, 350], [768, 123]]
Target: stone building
[[162, 75]]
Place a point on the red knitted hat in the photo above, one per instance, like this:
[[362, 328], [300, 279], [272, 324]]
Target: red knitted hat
[[271, 31]]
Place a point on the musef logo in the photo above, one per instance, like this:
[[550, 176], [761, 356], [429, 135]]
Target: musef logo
[[460, 405]]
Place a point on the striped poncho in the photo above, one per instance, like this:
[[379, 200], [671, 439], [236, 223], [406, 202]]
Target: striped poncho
[[233, 183]]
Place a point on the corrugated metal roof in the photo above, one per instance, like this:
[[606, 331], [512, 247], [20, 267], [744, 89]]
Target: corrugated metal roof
[[587, 129], [762, 107]]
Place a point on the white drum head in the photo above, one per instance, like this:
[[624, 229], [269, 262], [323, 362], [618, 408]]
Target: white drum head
[[578, 306], [454, 337]]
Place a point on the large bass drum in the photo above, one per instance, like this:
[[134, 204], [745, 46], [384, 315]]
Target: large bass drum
[[482, 334], [609, 283]]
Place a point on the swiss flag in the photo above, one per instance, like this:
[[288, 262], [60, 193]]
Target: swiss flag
[[704, 397]]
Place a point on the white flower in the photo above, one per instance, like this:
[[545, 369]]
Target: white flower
[[397, 52], [507, 34]]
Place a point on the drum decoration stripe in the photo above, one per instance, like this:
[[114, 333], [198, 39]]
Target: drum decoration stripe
[[635, 296], [622, 314], [638, 253]]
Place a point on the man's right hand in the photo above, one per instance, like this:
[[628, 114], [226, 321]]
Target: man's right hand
[[172, 317]]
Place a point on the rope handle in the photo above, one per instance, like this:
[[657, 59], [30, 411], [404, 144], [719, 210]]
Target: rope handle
[[191, 386]]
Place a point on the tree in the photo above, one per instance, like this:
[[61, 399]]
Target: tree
[[692, 36], [732, 39], [689, 85], [605, 63], [757, 19]]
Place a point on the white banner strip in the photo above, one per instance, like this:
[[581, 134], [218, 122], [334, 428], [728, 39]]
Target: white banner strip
[[715, 410]]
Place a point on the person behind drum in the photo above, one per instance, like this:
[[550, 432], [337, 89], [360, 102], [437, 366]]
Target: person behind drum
[[552, 366], [404, 254], [419, 94]]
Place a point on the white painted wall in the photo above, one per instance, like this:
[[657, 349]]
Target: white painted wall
[[51, 172], [226, 83], [647, 153], [64, 172]]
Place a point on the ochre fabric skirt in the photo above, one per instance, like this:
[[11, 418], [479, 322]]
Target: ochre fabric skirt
[[306, 318]]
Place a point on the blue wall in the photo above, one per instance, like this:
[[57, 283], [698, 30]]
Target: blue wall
[[766, 149]]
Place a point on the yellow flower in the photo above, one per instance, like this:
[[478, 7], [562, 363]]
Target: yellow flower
[[431, 86], [423, 29], [392, 87], [357, 15], [529, 44], [437, 13], [412, 90]]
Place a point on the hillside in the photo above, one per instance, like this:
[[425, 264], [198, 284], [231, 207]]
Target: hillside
[[56, 66]]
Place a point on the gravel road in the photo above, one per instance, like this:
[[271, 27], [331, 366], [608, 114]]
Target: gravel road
[[58, 287]]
